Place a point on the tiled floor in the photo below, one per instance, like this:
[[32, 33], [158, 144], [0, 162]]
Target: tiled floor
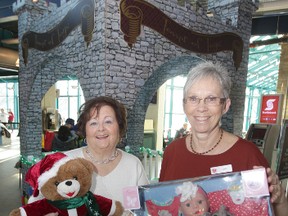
[[10, 194]]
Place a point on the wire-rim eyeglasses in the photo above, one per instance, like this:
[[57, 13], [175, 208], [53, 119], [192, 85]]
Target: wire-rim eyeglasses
[[209, 101]]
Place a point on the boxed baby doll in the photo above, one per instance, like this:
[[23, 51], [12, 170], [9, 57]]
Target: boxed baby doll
[[237, 194]]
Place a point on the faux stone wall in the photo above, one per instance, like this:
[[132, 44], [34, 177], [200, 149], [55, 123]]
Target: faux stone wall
[[109, 67]]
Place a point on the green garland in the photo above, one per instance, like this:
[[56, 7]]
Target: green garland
[[30, 161], [151, 152]]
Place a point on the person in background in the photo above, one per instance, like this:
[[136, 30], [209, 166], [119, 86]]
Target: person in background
[[75, 130], [103, 123], [70, 123], [3, 125], [64, 140], [182, 131], [10, 119], [3, 117], [205, 101]]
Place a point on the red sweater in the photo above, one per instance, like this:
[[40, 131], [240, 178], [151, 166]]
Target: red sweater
[[179, 163]]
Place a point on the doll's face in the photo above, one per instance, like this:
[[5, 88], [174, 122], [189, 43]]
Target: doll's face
[[237, 196], [195, 206]]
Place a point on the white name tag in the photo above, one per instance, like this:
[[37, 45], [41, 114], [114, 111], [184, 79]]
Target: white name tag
[[221, 169]]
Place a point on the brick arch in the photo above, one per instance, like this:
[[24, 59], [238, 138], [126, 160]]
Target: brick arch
[[48, 74], [136, 116]]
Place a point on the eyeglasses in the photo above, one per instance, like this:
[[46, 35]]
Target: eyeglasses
[[209, 101]]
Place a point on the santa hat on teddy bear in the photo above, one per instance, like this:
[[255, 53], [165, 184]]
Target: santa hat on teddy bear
[[42, 171]]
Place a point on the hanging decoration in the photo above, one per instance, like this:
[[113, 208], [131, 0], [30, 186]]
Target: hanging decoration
[[134, 13], [82, 13]]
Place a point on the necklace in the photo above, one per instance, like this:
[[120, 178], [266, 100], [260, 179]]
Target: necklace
[[202, 153], [105, 161]]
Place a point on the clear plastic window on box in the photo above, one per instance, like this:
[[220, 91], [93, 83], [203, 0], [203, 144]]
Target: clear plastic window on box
[[236, 193]]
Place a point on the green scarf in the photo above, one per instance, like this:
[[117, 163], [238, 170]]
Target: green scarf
[[88, 200]]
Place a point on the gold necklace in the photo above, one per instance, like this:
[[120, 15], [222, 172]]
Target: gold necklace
[[105, 161], [202, 153]]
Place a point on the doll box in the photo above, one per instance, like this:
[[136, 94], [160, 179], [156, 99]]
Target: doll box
[[236, 193]]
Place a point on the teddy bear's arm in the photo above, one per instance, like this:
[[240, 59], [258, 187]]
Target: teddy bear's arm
[[38, 208], [108, 206], [15, 212]]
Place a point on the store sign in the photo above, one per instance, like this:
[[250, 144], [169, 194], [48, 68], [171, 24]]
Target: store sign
[[271, 107]]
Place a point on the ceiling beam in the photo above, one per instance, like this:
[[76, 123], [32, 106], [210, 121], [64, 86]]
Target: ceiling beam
[[272, 7], [9, 19], [283, 39]]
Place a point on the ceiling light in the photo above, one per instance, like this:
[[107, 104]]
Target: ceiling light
[[10, 41]]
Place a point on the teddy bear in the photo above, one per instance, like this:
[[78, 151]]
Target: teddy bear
[[61, 184]]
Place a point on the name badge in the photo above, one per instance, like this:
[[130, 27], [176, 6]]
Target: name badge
[[221, 169]]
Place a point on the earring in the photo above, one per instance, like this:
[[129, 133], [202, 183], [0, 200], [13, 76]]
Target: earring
[[84, 141]]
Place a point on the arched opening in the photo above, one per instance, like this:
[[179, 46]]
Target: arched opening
[[60, 102], [136, 119]]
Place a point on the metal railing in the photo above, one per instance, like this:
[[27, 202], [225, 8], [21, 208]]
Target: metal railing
[[151, 161]]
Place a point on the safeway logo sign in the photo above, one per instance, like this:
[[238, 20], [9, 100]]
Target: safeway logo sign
[[269, 104], [270, 108]]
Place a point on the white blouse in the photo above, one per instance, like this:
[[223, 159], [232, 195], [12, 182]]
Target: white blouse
[[129, 172]]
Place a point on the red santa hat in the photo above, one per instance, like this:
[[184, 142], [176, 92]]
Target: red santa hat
[[42, 171]]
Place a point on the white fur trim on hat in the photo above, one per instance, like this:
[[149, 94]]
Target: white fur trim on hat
[[44, 177]]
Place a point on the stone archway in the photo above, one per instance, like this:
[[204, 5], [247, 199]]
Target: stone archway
[[47, 75], [136, 117]]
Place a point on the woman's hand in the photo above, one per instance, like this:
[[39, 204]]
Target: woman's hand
[[275, 187], [280, 202]]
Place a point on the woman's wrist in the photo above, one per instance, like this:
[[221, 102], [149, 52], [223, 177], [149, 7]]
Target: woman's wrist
[[282, 199], [281, 207]]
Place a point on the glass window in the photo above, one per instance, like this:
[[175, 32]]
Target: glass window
[[252, 106], [73, 88], [168, 100], [9, 97], [174, 115], [63, 107], [10, 87], [179, 81], [10, 104], [178, 120], [70, 98], [2, 102], [63, 87], [3, 90], [73, 109], [178, 101]]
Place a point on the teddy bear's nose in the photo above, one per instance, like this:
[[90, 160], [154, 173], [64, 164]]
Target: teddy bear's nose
[[68, 183]]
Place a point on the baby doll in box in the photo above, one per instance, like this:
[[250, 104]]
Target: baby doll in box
[[190, 200], [61, 184]]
